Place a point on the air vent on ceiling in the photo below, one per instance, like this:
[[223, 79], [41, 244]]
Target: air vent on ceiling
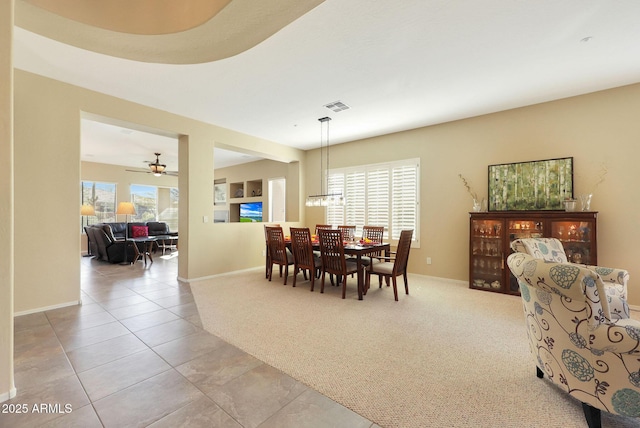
[[337, 106]]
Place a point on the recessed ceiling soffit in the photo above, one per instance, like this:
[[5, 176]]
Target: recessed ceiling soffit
[[169, 32]]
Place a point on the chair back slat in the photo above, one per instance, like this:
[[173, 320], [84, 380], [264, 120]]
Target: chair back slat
[[302, 248], [348, 232], [268, 251], [322, 226], [402, 252], [374, 233], [332, 251], [277, 247]]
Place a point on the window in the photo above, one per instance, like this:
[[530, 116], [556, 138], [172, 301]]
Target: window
[[145, 201], [168, 198], [103, 198], [384, 194], [277, 200]]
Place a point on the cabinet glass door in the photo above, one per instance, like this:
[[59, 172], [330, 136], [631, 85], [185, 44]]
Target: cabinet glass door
[[487, 254], [576, 237]]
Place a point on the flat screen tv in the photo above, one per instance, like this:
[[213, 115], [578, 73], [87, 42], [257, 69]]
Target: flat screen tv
[[251, 212]]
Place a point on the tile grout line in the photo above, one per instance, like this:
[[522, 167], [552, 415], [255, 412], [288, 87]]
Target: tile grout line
[[75, 373]]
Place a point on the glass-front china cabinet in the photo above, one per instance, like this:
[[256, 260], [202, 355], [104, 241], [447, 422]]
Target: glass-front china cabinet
[[491, 234]]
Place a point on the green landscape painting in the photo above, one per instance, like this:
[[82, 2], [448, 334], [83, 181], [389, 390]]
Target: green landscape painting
[[536, 185]]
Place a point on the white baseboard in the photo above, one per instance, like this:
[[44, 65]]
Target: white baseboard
[[442, 279], [218, 275], [8, 395], [204, 278], [47, 308]]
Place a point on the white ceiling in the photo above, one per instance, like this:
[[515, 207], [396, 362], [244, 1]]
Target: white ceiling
[[398, 64]]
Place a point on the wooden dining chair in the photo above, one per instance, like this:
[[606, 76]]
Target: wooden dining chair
[[267, 252], [374, 234], [303, 257], [322, 226], [333, 259], [348, 232], [279, 253], [392, 267]]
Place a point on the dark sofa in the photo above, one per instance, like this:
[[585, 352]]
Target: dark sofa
[[104, 246], [106, 240]]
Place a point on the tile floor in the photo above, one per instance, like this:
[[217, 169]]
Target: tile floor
[[135, 355]]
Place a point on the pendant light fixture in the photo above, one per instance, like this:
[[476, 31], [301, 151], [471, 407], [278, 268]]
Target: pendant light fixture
[[325, 198]]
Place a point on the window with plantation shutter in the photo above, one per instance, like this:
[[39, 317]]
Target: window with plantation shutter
[[335, 215], [355, 209], [404, 203], [384, 194], [378, 191]]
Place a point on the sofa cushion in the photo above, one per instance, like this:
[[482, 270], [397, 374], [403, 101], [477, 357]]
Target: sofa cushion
[[139, 231], [109, 232], [118, 229], [158, 228]]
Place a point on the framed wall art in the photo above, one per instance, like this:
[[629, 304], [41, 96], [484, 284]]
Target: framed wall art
[[535, 185], [220, 193]]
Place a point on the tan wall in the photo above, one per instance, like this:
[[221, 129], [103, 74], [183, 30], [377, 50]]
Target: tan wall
[[47, 176], [595, 128], [7, 388]]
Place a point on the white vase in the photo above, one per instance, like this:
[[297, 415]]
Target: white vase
[[585, 202]]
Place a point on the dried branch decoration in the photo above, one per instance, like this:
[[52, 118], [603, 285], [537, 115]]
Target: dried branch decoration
[[601, 174], [473, 194]]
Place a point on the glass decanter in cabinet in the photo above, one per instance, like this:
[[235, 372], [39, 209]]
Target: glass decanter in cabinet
[[578, 238], [486, 262]]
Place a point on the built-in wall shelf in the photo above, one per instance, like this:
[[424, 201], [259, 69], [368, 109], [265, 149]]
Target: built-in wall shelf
[[245, 201], [245, 189]]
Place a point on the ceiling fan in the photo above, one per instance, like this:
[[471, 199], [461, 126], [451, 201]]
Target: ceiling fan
[[156, 168]]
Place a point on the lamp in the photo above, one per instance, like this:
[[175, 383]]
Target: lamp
[[156, 167], [87, 210], [127, 209], [325, 198]]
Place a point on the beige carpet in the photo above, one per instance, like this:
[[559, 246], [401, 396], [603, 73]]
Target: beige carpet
[[445, 356]]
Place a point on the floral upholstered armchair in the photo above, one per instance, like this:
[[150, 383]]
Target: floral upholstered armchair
[[574, 339], [615, 280]]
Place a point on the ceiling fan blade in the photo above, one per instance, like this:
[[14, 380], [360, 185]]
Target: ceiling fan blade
[[170, 173]]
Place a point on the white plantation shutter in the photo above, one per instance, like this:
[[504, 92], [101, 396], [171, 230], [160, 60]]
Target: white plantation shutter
[[378, 202], [404, 204], [335, 215], [356, 199], [378, 195]]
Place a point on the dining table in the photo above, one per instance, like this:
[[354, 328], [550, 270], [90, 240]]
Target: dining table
[[356, 249]]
